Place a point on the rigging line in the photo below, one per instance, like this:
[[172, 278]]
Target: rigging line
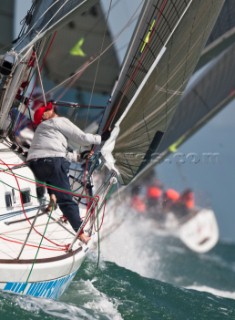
[[98, 63], [53, 16], [22, 205], [71, 80], [10, 239], [139, 62], [108, 188], [21, 230], [27, 218], [38, 77], [103, 203], [93, 206], [29, 245], [94, 59], [40, 80], [97, 230], [150, 70], [28, 234], [40, 183], [39, 32], [129, 22], [43, 63], [20, 117], [39, 246], [88, 216]]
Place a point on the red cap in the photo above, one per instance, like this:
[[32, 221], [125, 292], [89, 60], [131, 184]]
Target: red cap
[[39, 112]]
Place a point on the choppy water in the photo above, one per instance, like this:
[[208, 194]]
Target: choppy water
[[140, 275]]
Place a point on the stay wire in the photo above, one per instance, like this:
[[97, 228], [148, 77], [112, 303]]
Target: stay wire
[[98, 62]]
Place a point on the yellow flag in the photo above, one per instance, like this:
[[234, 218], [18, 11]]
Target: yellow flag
[[77, 49]]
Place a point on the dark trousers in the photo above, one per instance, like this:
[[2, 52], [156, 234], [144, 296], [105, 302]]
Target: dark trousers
[[54, 172]]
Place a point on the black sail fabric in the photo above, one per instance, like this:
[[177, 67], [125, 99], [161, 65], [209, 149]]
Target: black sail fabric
[[222, 35], [171, 37], [208, 94]]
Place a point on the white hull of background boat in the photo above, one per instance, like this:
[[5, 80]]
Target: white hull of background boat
[[200, 232]]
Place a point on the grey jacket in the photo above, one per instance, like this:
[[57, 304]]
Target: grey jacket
[[52, 137]]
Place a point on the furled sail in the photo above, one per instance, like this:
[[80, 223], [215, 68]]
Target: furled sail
[[165, 49]]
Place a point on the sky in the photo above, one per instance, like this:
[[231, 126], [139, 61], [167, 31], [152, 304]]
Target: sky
[[213, 183]]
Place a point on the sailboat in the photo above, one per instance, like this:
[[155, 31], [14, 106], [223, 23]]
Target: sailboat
[[40, 254]]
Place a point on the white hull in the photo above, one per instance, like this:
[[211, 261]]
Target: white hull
[[44, 281], [199, 232], [34, 256]]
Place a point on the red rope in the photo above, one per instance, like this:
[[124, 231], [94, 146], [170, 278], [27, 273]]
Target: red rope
[[31, 245], [22, 205], [90, 203], [31, 65]]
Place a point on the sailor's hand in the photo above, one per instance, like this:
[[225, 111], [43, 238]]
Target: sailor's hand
[[86, 155]]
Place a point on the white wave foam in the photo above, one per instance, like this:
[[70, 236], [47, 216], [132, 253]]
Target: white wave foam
[[100, 302], [82, 301], [215, 292], [130, 244]]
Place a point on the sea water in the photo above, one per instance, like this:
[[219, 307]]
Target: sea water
[[139, 274]]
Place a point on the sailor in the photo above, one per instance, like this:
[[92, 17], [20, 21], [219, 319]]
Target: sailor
[[170, 198], [187, 198], [183, 204], [154, 194], [47, 158], [137, 201]]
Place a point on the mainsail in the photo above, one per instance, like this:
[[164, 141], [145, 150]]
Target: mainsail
[[165, 49]]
